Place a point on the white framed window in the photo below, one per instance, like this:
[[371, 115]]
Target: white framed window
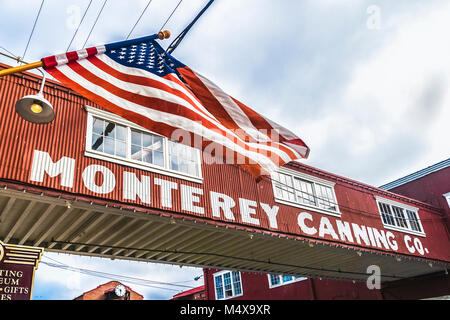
[[276, 280], [227, 285], [399, 217], [304, 191], [447, 196], [112, 138]]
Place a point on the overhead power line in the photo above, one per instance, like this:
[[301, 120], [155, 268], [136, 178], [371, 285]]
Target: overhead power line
[[181, 36], [81, 21], [173, 11], [173, 286], [93, 26], [32, 30], [139, 19]]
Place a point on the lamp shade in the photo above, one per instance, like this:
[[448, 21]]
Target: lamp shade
[[35, 108]]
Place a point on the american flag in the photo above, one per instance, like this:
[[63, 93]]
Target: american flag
[[139, 81]]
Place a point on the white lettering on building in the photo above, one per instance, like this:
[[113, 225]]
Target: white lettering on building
[[108, 179], [43, 163], [101, 180]]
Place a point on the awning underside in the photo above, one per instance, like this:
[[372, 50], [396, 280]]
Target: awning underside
[[88, 229]]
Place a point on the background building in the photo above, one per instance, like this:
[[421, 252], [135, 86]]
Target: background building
[[112, 290], [193, 294]]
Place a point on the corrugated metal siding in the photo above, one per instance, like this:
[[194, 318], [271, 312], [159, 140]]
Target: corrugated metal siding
[[66, 136]]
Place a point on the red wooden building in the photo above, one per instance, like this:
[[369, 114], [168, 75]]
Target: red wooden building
[[193, 294], [92, 183], [431, 185]]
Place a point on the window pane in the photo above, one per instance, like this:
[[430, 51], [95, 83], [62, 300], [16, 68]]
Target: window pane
[[174, 163], [158, 144], [121, 149], [121, 133], [147, 148], [109, 138], [183, 165], [109, 146], [193, 168], [136, 138], [227, 285], [274, 279], [413, 221], [97, 143], [109, 129], [219, 287], [304, 191], [183, 158], [325, 197], [147, 155], [278, 192], [158, 159], [237, 283], [386, 214], [147, 140], [97, 126], [399, 217], [287, 278], [136, 153]]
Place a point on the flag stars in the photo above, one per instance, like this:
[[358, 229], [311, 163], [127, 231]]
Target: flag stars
[[145, 56]]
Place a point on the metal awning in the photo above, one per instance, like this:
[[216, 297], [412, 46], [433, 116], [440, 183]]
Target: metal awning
[[93, 228]]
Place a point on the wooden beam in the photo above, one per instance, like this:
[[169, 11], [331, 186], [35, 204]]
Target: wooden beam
[[19, 221]]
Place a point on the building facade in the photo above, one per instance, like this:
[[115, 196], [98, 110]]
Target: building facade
[[430, 185], [92, 183], [193, 294], [257, 286]]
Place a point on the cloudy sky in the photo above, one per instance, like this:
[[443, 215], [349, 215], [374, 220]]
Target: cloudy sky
[[364, 83]]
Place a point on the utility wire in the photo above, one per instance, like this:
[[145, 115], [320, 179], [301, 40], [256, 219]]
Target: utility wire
[[81, 21], [139, 19], [32, 30], [111, 276], [171, 15], [53, 265], [18, 59], [181, 36], [12, 54], [98, 16], [146, 280]]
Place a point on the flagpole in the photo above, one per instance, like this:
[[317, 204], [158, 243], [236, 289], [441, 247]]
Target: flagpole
[[25, 67], [39, 64]]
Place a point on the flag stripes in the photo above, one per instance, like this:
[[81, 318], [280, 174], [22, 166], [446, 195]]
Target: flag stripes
[[142, 84]]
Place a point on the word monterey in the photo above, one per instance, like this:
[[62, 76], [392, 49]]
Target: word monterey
[[221, 205]]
